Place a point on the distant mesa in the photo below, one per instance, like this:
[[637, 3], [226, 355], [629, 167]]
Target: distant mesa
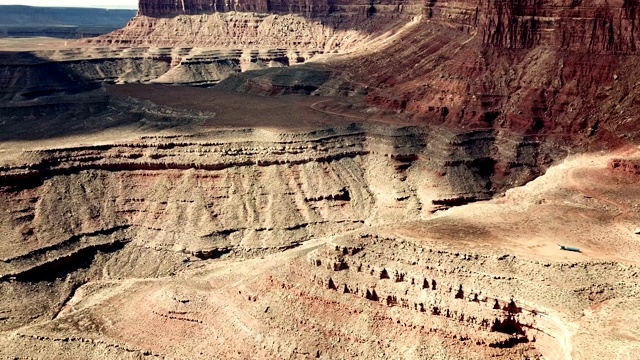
[[69, 23]]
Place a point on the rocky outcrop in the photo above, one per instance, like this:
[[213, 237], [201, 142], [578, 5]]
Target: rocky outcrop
[[28, 76], [578, 26], [290, 31], [572, 94], [630, 166], [469, 294], [465, 101], [259, 190], [531, 67], [313, 9], [169, 8]]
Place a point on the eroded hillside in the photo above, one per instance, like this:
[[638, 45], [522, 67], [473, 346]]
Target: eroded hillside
[[349, 180]]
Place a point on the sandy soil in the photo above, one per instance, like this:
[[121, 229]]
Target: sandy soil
[[285, 113], [579, 203]]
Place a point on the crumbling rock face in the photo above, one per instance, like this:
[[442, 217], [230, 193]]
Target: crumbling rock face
[[172, 8], [287, 31], [468, 296], [490, 109], [464, 163], [579, 26], [149, 207], [539, 68], [243, 190], [311, 9], [590, 26], [27, 76], [571, 97], [630, 166], [532, 67]]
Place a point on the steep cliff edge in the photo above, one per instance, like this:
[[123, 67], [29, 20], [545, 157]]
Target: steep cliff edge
[[241, 221], [238, 30], [301, 237], [590, 26], [575, 97], [533, 67], [565, 71], [321, 9]]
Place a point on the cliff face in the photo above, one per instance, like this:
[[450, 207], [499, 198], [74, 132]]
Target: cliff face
[[102, 191], [577, 25], [309, 8], [583, 26], [565, 70], [238, 30], [531, 66], [450, 77], [173, 8]]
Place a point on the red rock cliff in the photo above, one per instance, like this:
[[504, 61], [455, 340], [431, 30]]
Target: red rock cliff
[[172, 8], [311, 8], [579, 25], [583, 25], [535, 67]]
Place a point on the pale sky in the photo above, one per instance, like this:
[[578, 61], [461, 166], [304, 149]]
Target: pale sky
[[116, 4]]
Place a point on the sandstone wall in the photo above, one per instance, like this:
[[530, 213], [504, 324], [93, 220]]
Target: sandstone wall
[[583, 26], [310, 8], [264, 191], [578, 25], [172, 8]]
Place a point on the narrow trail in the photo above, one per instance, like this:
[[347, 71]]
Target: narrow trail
[[256, 269], [315, 107], [591, 190], [559, 345], [360, 118], [349, 77]]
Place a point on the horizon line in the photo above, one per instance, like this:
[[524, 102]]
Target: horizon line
[[124, 7]]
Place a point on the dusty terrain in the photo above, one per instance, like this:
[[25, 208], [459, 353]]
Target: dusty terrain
[[337, 180], [206, 235], [157, 273]]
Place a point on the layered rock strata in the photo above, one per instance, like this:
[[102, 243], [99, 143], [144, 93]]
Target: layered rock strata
[[29, 75], [476, 298], [310, 9], [533, 67], [448, 76], [371, 175], [527, 67], [103, 237], [584, 26], [122, 206], [291, 31], [372, 292]]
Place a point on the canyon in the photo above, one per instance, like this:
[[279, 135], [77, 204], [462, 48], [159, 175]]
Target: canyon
[[324, 179]]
